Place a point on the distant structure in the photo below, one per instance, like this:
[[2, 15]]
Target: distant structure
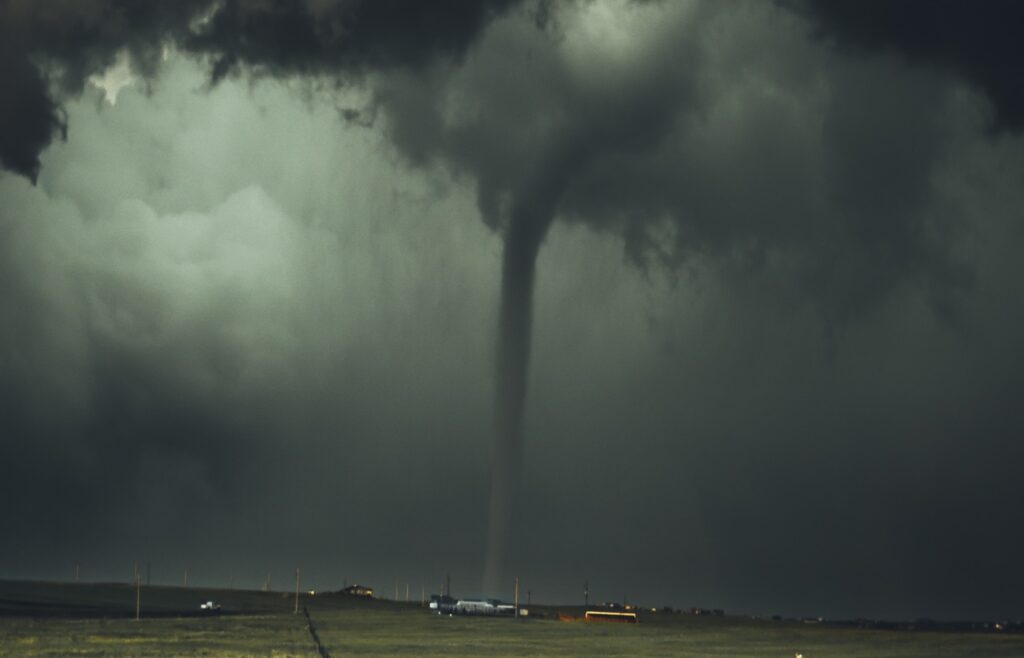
[[358, 590], [697, 612], [613, 605]]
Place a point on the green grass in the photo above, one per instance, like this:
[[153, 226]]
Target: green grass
[[417, 634], [255, 635], [47, 619]]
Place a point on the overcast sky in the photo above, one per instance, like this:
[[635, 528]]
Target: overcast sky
[[249, 302]]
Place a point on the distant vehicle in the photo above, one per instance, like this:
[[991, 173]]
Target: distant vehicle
[[476, 607], [606, 615], [210, 605], [446, 605], [442, 603]]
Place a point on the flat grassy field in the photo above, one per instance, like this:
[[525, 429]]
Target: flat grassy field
[[248, 635], [401, 633], [38, 619]]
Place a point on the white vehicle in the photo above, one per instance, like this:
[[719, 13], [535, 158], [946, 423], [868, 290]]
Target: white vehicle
[[210, 605], [476, 607]]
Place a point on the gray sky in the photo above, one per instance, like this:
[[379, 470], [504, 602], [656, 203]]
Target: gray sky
[[250, 309]]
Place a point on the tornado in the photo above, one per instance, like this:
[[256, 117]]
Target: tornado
[[523, 237]]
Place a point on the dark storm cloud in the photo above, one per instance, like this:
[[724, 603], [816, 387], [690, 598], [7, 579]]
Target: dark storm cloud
[[333, 37], [522, 123], [51, 49], [134, 407], [104, 384], [835, 186], [323, 396], [617, 143], [29, 115], [979, 41], [689, 141], [703, 135]]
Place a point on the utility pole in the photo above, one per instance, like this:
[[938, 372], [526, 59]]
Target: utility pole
[[76, 572], [296, 590], [529, 594], [138, 596], [586, 593], [186, 576], [516, 601], [149, 573], [423, 595], [396, 588], [407, 592]]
